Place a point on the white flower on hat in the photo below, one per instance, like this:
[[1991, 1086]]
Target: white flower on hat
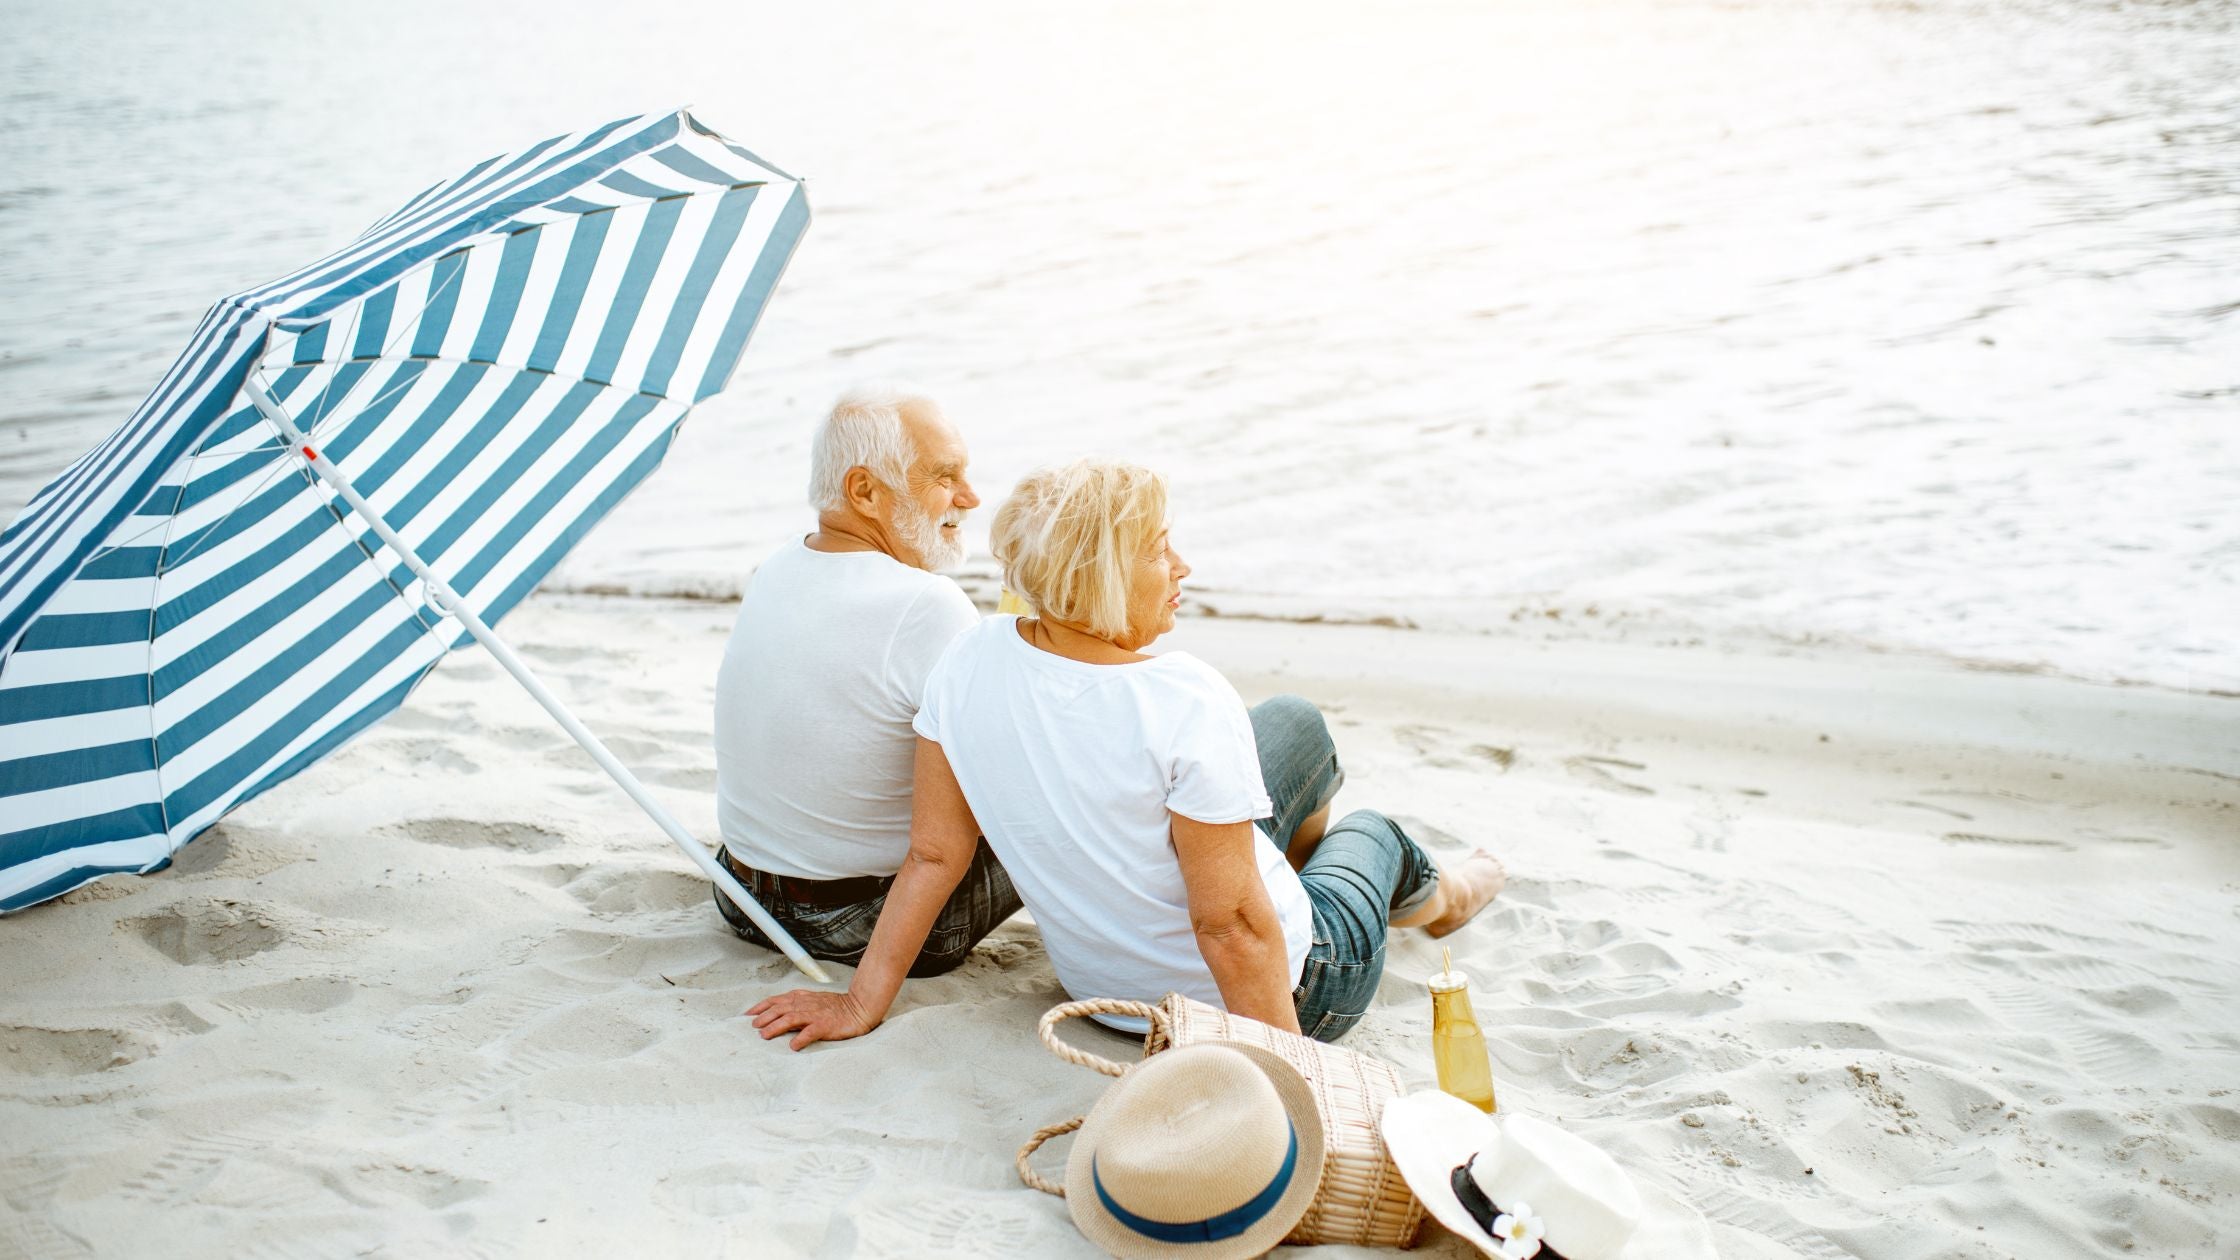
[[1519, 1233]]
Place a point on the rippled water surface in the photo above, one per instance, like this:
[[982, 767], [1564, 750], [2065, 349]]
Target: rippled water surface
[[1915, 324]]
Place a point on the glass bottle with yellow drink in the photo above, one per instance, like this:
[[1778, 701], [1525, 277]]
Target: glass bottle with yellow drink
[[1458, 1047]]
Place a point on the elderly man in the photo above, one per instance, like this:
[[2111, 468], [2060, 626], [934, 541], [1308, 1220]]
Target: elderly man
[[823, 675]]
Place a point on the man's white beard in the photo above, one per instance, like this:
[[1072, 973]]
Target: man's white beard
[[923, 534]]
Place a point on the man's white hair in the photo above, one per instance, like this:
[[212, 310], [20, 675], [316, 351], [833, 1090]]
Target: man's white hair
[[864, 430]]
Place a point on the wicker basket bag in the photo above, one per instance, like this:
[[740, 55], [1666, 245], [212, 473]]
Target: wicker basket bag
[[1362, 1199]]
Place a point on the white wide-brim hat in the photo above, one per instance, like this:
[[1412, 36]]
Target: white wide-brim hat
[[1211, 1151], [1534, 1183]]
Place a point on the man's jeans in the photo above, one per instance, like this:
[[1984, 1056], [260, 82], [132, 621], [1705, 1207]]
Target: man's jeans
[[840, 934], [1365, 873]]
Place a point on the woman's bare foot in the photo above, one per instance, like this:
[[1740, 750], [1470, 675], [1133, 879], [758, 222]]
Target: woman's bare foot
[[1465, 889]]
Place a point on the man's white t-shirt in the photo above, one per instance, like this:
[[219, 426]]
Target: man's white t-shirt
[[1070, 769], [814, 752]]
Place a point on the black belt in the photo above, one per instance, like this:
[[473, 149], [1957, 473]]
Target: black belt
[[823, 893]]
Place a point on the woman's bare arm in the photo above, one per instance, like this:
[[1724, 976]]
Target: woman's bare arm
[[1235, 922], [943, 839]]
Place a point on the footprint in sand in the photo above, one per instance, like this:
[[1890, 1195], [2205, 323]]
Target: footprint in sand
[[466, 833], [1610, 1058], [180, 1168], [1588, 934], [203, 930], [958, 1225], [588, 1030], [465, 1102], [29, 1234], [2108, 1054], [823, 1174], [415, 1184], [1598, 772], [712, 1190], [27, 1182], [612, 890], [1708, 831], [1443, 749], [481, 1020], [2221, 1123], [272, 1183], [27, 1050], [1499, 756], [2105, 1053]]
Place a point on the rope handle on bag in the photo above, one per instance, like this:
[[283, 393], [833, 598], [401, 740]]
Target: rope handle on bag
[[1035, 1180], [1048, 1030]]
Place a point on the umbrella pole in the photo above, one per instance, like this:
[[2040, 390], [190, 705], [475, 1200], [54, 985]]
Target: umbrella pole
[[488, 638]]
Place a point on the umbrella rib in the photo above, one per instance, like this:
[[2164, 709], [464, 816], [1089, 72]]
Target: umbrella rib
[[357, 313], [303, 470], [166, 563], [319, 405]]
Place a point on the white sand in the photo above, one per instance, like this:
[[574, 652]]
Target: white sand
[[1860, 956]]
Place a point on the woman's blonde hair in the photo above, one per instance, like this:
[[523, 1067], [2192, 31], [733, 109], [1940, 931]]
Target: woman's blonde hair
[[1068, 537]]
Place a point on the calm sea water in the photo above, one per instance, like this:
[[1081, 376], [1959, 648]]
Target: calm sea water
[[1916, 324]]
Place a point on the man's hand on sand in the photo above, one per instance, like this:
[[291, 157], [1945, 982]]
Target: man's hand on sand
[[820, 1016]]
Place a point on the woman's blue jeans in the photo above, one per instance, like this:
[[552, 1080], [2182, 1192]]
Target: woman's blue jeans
[[1364, 873]]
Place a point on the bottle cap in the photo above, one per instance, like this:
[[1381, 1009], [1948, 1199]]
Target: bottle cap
[[1449, 980]]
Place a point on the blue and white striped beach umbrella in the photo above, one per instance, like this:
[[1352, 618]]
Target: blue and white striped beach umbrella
[[195, 610]]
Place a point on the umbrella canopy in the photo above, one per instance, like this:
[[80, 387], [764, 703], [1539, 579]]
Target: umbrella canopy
[[188, 615]]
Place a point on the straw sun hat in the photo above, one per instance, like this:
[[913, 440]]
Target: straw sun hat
[[1212, 1150], [1513, 1186]]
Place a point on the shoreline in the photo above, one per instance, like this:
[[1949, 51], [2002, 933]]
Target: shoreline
[[1524, 618], [1636, 628]]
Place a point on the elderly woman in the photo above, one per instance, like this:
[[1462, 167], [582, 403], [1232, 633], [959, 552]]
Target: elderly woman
[[1121, 790]]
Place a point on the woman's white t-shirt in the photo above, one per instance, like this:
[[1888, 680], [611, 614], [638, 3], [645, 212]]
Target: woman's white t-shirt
[[1070, 769]]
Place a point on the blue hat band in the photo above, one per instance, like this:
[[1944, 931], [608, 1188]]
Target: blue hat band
[[1227, 1225]]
